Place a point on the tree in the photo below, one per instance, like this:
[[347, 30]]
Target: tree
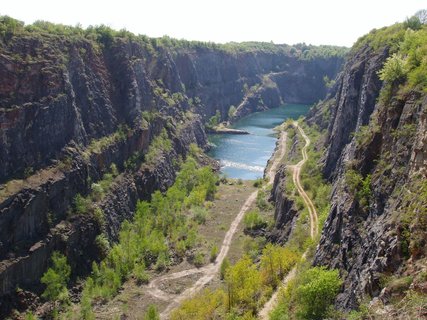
[[231, 112], [316, 292], [243, 284], [394, 69], [56, 278], [422, 16]]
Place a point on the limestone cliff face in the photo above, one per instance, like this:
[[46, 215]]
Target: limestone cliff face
[[55, 90], [383, 143]]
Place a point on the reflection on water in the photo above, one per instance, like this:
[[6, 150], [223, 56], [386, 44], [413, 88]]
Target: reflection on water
[[245, 156]]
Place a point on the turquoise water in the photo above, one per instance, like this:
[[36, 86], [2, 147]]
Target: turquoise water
[[245, 156]]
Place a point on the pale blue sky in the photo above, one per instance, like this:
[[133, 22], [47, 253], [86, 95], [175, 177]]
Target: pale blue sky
[[338, 22]]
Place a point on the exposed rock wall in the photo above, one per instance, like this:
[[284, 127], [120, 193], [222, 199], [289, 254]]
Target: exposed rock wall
[[384, 143], [54, 90]]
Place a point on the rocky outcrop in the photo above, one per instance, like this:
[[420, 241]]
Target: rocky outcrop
[[285, 211], [374, 142]]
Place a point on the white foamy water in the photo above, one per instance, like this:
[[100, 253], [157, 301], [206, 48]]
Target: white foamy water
[[237, 165]]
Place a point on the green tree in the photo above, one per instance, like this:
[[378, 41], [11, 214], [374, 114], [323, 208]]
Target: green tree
[[316, 292], [394, 69], [231, 112], [243, 284], [56, 278]]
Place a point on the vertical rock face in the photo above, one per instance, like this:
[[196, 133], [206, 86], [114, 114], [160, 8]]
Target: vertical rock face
[[383, 144], [54, 90], [355, 96]]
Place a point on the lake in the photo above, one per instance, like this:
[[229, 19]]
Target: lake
[[245, 156]]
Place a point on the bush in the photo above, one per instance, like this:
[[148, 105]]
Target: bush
[[225, 264], [258, 183], [56, 279], [394, 69], [152, 313], [81, 204], [140, 274], [317, 285], [261, 202], [254, 221], [199, 259], [200, 214], [231, 112], [214, 253]]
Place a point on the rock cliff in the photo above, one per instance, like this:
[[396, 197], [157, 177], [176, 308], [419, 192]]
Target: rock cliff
[[376, 159]]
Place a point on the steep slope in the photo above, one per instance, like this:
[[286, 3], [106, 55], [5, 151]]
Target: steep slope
[[376, 152]]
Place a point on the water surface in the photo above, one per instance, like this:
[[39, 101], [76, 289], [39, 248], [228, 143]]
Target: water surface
[[245, 156]]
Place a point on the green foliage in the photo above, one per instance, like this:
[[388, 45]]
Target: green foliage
[[158, 226], [329, 83], [214, 120], [102, 244], [358, 186], [223, 268], [56, 278], [231, 112], [81, 204], [254, 221], [309, 295], [394, 69], [258, 183], [243, 282], [413, 23], [152, 313], [380, 38], [320, 285], [276, 262], [30, 316], [261, 201], [160, 145], [10, 27], [213, 253], [205, 305], [199, 259], [412, 218], [200, 214]]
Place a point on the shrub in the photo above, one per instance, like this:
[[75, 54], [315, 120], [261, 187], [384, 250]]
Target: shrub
[[200, 214], [140, 274], [243, 284], [102, 244], [81, 204], [152, 313], [258, 183], [317, 285], [231, 112], [394, 69], [261, 202], [56, 278], [225, 264], [199, 259], [254, 221], [214, 253]]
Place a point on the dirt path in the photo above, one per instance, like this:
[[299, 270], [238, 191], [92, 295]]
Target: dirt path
[[296, 170], [211, 270]]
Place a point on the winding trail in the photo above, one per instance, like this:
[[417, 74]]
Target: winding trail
[[209, 271], [296, 171]]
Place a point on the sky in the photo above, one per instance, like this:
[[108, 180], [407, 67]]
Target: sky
[[333, 22]]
